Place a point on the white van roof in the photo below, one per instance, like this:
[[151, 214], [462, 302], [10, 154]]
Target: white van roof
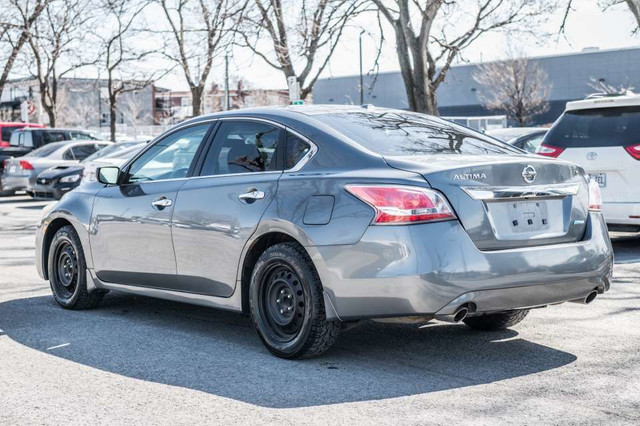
[[604, 102]]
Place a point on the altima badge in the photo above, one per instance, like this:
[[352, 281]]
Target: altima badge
[[529, 174]]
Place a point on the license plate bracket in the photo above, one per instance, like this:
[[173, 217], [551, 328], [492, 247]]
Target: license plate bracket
[[529, 216]]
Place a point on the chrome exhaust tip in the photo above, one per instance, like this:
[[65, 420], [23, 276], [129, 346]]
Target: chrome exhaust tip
[[457, 316], [588, 299]]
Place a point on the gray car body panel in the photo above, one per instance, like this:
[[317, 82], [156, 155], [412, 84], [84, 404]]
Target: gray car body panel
[[367, 271]]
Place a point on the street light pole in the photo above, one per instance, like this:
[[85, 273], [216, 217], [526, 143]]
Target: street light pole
[[361, 79]]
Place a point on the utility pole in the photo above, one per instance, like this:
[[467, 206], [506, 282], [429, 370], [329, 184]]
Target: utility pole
[[361, 78], [226, 83]]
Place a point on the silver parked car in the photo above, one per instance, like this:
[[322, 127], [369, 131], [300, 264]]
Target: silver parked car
[[20, 173], [310, 218], [527, 138]]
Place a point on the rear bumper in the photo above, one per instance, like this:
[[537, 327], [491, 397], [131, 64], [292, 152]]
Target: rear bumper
[[619, 213], [14, 183], [432, 268]]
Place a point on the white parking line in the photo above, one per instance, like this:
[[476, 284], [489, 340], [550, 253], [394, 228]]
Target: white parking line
[[58, 346]]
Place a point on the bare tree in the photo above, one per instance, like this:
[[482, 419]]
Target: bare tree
[[516, 86], [78, 106], [431, 34], [134, 112], [55, 41], [199, 31], [633, 5], [306, 30], [119, 59], [17, 17]]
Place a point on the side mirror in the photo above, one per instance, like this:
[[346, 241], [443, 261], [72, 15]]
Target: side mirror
[[108, 175]]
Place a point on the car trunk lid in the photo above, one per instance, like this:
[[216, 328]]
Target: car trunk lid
[[508, 201]]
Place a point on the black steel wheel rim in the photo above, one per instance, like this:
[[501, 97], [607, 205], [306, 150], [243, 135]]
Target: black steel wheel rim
[[66, 269], [282, 302]]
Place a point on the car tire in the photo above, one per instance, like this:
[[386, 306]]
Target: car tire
[[287, 304], [7, 193], [497, 321], [67, 272]]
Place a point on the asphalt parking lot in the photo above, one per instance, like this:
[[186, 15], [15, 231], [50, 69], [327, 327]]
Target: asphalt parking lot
[[145, 361]]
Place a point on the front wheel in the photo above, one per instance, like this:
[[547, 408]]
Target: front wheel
[[287, 304], [497, 321], [67, 272]]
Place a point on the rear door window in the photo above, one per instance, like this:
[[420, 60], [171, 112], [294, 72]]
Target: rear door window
[[393, 133], [48, 137], [81, 152], [603, 127], [81, 136], [242, 147]]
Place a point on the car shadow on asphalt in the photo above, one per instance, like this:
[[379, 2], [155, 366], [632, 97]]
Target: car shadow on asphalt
[[219, 353]]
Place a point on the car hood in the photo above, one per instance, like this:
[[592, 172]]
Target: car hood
[[60, 171]]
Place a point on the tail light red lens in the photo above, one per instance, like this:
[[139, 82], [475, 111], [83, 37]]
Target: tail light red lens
[[595, 196], [634, 151], [549, 151], [4, 144], [25, 165], [399, 204]]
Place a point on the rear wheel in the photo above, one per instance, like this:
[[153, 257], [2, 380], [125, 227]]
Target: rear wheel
[[67, 272], [497, 321], [287, 304]]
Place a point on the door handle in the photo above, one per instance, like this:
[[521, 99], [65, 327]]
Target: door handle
[[162, 203], [251, 196]]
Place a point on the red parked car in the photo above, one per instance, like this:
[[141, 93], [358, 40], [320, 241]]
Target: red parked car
[[7, 128]]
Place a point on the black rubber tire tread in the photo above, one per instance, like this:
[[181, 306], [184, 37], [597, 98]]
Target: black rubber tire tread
[[81, 299], [322, 333], [497, 321]]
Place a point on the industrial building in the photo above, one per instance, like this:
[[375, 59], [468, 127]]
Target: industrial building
[[571, 77]]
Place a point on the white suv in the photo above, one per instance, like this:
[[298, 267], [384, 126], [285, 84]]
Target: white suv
[[602, 134]]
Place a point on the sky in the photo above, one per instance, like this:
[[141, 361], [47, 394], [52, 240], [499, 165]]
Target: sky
[[587, 26]]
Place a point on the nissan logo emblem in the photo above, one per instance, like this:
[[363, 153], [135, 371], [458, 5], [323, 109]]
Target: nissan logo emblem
[[529, 174], [592, 155]]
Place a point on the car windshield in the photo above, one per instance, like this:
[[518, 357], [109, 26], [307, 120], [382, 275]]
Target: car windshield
[[46, 150], [394, 133], [619, 126]]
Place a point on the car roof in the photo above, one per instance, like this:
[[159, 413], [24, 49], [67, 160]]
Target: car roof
[[17, 123], [604, 102], [289, 111], [51, 129]]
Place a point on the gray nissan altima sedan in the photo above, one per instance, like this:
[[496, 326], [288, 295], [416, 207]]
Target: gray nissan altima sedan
[[310, 218]]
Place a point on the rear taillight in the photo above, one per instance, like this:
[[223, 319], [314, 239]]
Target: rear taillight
[[25, 165], [595, 196], [398, 204], [549, 151], [634, 151], [4, 144]]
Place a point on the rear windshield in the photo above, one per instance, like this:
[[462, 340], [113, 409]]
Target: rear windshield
[[596, 127], [46, 150], [394, 133]]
